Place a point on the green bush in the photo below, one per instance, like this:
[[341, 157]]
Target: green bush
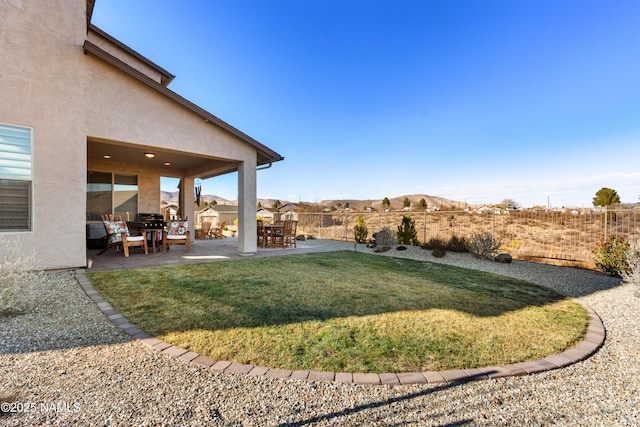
[[407, 234], [484, 245], [610, 255], [360, 230]]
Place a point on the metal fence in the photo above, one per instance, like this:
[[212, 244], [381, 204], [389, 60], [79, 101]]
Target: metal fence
[[564, 235]]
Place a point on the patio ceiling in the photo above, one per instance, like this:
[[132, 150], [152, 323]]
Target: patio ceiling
[[190, 165]]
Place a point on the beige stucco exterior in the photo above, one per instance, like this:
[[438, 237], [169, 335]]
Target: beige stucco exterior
[[79, 104]]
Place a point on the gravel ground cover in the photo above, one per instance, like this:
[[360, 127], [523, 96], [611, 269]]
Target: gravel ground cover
[[66, 364]]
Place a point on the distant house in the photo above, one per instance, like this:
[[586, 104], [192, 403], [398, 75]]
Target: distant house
[[268, 215], [87, 120], [288, 212], [217, 214], [169, 211]]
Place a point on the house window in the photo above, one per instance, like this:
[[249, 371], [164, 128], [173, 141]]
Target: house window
[[15, 178], [109, 193]]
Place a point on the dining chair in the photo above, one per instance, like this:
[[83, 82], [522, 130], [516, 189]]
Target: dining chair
[[261, 233], [289, 233]]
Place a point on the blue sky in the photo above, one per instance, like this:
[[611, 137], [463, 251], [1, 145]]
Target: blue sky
[[482, 100]]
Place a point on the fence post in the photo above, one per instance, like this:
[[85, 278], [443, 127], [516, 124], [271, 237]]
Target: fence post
[[424, 232], [606, 222]]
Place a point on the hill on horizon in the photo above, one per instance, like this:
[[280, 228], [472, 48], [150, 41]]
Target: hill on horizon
[[397, 203]]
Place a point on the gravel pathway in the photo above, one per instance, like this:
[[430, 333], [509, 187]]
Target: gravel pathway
[[65, 364]]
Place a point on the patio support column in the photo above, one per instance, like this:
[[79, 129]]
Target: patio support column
[[187, 199], [247, 207]]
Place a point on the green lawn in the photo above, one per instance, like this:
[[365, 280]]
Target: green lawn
[[346, 312]]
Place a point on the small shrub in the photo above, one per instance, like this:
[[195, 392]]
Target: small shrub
[[407, 234], [360, 230], [632, 275], [484, 245], [514, 244], [438, 252], [457, 244], [610, 255], [434, 244], [17, 282], [384, 237]]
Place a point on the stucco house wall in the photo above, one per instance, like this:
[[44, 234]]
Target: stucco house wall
[[71, 99]]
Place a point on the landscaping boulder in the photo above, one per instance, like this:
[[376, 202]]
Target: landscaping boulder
[[379, 249], [504, 258], [301, 238]]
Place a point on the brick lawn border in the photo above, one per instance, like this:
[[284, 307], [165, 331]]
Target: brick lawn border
[[592, 342]]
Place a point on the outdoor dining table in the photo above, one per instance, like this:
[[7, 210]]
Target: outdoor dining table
[[270, 231]]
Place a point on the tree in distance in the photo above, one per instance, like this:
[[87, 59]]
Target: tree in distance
[[606, 197], [386, 203]]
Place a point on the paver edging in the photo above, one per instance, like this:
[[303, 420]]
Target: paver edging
[[591, 343]]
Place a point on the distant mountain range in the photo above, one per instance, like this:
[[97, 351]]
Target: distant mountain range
[[171, 197], [397, 203]]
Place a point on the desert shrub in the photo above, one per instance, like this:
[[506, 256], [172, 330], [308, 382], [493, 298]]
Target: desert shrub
[[484, 245], [434, 244], [438, 252], [407, 234], [384, 237], [457, 244], [360, 230], [18, 280], [610, 255], [632, 274], [514, 244]]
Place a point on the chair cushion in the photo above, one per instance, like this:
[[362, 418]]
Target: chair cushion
[[177, 228], [114, 230], [135, 238], [180, 237]]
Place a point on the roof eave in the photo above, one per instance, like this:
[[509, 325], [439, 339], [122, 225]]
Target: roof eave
[[265, 154]]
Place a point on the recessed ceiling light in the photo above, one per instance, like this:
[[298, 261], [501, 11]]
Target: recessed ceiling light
[[149, 155], [106, 156], [167, 164]]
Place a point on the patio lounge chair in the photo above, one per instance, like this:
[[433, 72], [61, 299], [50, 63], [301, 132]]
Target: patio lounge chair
[[176, 234], [217, 232]]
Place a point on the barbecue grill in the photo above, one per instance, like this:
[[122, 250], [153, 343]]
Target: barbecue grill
[[147, 221]]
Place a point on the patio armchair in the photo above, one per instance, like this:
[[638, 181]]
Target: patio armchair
[[176, 233], [118, 235], [217, 232], [204, 232]]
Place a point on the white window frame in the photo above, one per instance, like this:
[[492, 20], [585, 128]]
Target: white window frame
[[6, 174]]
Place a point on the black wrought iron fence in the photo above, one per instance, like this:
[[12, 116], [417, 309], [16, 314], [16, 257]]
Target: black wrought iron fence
[[566, 235]]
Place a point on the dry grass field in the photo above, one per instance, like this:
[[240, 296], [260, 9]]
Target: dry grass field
[[550, 236]]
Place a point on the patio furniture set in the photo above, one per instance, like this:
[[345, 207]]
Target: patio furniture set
[[279, 234], [152, 230]]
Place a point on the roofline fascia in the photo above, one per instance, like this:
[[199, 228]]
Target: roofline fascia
[[208, 117], [166, 78]]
